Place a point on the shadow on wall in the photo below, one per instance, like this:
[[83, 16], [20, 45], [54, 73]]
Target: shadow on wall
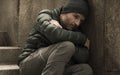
[[5, 39]]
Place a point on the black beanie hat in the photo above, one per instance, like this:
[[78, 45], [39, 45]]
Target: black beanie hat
[[78, 6]]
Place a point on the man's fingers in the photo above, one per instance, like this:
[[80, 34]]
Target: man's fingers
[[55, 23], [87, 43]]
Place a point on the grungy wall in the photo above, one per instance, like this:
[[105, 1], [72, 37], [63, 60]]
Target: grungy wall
[[9, 19], [112, 35]]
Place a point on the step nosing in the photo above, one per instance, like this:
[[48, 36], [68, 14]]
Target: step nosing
[[6, 48], [9, 67]]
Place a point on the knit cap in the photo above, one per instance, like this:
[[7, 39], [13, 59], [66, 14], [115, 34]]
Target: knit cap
[[78, 6]]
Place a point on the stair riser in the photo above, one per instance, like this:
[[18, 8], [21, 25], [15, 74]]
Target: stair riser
[[9, 72], [9, 56]]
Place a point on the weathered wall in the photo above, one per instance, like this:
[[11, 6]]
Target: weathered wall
[[9, 19], [95, 31], [112, 35], [103, 29], [104, 32]]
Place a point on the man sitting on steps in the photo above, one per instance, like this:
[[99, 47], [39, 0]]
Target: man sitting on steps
[[56, 46]]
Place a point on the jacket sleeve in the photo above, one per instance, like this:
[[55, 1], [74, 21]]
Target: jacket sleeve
[[30, 46], [55, 34], [81, 55]]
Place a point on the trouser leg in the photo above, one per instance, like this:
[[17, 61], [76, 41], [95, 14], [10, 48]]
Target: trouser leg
[[81, 55], [79, 69], [35, 62], [59, 58], [32, 65], [58, 54]]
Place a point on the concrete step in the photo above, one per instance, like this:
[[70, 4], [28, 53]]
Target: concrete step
[[9, 55], [9, 70]]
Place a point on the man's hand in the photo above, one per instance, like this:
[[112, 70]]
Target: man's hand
[[55, 23], [87, 43]]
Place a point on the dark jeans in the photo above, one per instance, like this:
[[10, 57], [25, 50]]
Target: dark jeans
[[52, 60]]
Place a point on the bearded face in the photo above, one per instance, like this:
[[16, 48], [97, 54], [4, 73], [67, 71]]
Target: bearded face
[[71, 20]]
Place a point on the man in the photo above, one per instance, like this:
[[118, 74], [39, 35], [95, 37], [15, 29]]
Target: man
[[56, 46]]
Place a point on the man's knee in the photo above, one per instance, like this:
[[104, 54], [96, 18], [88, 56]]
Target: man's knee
[[68, 46], [87, 68], [80, 69]]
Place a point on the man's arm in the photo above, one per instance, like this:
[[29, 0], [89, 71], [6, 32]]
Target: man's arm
[[87, 43], [55, 34], [81, 55]]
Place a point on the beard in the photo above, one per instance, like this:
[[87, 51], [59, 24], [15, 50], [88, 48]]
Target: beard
[[70, 27], [67, 26]]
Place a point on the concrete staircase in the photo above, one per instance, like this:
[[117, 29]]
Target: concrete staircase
[[8, 60]]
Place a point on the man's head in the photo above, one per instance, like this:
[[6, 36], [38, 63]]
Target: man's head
[[74, 13], [71, 21]]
